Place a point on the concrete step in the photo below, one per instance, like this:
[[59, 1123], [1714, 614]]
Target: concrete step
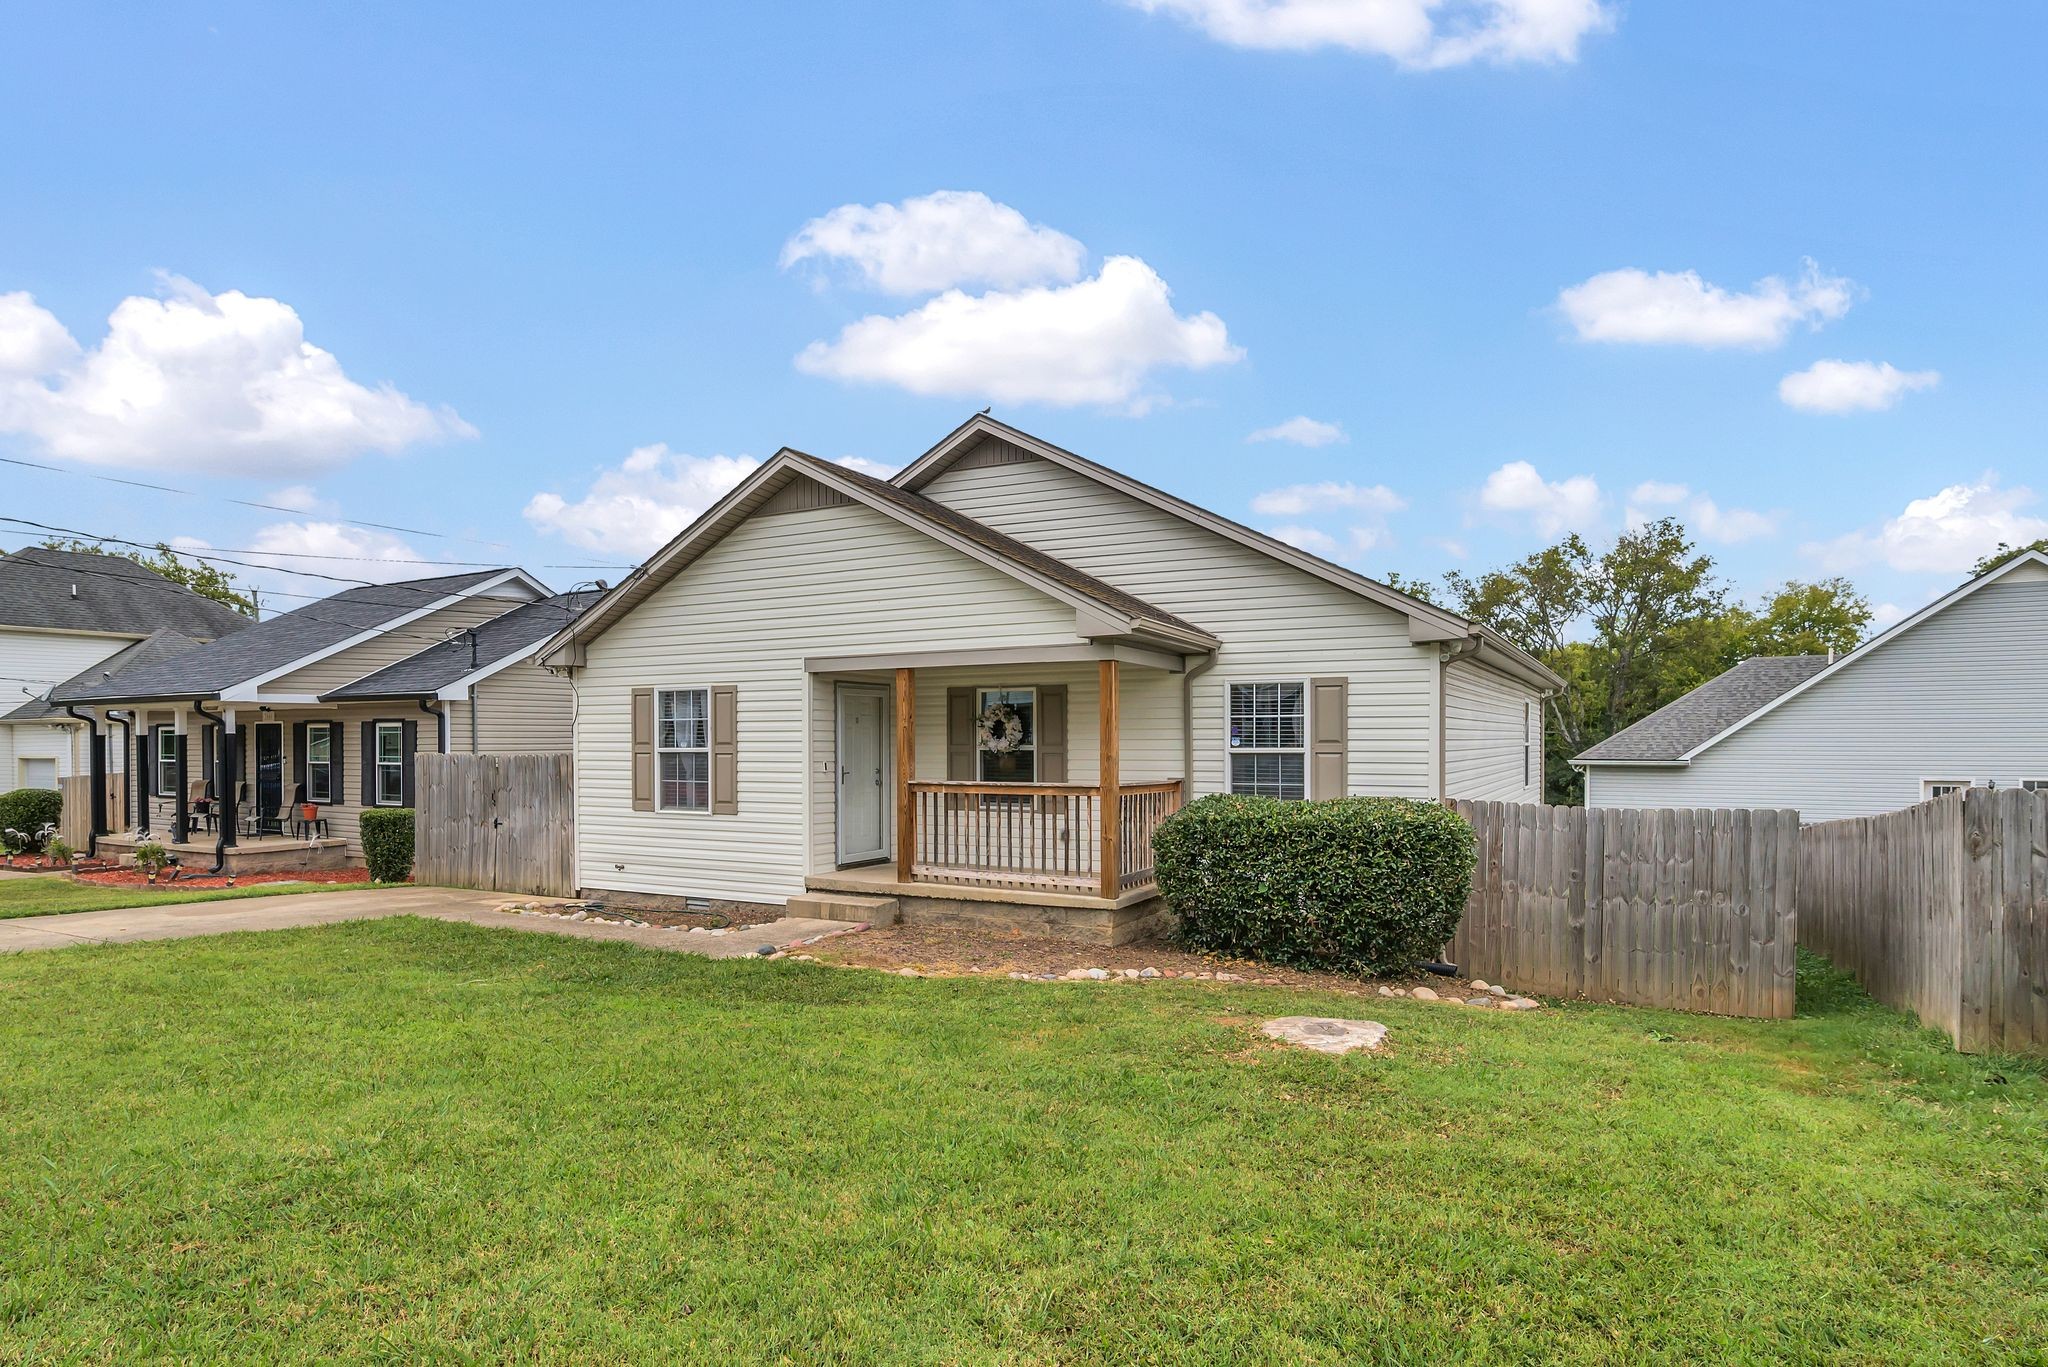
[[844, 906]]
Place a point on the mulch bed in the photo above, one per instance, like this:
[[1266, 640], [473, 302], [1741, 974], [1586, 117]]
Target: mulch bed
[[943, 951], [710, 920]]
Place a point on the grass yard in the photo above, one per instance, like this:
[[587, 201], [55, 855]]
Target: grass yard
[[415, 1141], [47, 896]]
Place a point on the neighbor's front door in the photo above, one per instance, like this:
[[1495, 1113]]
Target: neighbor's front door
[[863, 774], [269, 768]]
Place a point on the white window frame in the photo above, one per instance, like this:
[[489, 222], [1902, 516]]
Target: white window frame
[[661, 803], [980, 707], [1947, 785], [1308, 729], [2034, 785], [378, 764], [325, 730], [167, 765]]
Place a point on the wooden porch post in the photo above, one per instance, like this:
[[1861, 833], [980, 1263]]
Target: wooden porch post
[[1112, 780], [906, 770]]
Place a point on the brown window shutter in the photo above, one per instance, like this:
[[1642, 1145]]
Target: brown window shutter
[[1051, 740], [960, 766], [643, 749], [725, 751], [1329, 719]]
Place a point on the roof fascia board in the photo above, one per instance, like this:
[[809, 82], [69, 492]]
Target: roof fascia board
[[248, 690], [76, 631], [1873, 645], [927, 467], [996, 657]]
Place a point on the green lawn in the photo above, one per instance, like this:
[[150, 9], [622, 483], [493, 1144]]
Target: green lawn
[[44, 896], [412, 1141]]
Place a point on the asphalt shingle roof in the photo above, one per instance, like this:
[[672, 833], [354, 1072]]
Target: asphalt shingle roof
[[82, 591], [441, 664], [1009, 548], [1707, 711], [150, 650], [265, 646]]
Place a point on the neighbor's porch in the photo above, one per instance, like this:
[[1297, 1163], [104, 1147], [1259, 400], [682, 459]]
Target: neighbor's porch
[[984, 778]]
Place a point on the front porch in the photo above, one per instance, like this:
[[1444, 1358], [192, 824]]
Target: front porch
[[1045, 826], [250, 854]]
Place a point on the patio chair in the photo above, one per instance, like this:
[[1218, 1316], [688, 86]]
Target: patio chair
[[262, 823], [199, 805]]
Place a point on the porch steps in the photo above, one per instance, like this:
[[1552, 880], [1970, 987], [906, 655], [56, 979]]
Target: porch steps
[[844, 906]]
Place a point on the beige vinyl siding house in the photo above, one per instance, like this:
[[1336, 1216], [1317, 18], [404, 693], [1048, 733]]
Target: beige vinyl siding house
[[1952, 696], [1009, 617], [1493, 736]]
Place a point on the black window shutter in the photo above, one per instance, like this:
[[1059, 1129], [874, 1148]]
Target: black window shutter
[[408, 742], [301, 790], [145, 759], [369, 797], [209, 746], [335, 767]]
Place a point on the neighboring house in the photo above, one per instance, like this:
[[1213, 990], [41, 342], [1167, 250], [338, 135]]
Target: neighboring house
[[1951, 697], [935, 687], [70, 616], [330, 703]]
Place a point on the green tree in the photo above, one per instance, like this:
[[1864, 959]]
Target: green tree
[[1804, 619], [196, 575], [2003, 554]]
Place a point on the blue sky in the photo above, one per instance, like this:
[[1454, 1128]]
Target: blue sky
[[1511, 251]]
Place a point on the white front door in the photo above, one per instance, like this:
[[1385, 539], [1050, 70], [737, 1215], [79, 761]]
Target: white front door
[[863, 773]]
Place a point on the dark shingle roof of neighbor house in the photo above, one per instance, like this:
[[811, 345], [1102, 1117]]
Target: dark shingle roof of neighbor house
[[441, 664], [268, 645], [1009, 548], [150, 650], [83, 591], [1682, 724]]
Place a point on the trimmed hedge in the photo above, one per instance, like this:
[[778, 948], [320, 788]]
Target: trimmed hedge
[[387, 843], [28, 810], [1360, 884]]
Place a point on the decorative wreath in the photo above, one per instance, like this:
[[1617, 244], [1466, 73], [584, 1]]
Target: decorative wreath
[[999, 729]]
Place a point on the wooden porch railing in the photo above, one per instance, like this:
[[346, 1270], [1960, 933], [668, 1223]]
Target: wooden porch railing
[[1027, 836]]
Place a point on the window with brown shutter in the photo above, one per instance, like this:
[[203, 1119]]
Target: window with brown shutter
[[643, 749]]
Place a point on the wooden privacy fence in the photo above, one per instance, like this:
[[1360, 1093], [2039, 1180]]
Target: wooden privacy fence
[[504, 823], [1692, 909], [1940, 909], [74, 826]]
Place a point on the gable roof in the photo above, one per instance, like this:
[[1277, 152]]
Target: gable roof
[[1426, 621], [1814, 677], [56, 590], [289, 639], [1120, 612], [1667, 734], [459, 660], [151, 650]]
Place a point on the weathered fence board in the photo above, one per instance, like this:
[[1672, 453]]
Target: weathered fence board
[[505, 823], [1942, 910], [1680, 908], [74, 826]]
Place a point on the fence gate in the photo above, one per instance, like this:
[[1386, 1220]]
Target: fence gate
[[503, 823]]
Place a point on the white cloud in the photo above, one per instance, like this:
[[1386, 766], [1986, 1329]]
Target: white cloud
[[300, 498], [1307, 539], [1712, 522], [1885, 615], [634, 509], [862, 465], [215, 383], [935, 242], [1944, 533], [1297, 499], [306, 559], [1551, 506], [1092, 342], [1415, 33], [1301, 432], [1852, 386], [1677, 308]]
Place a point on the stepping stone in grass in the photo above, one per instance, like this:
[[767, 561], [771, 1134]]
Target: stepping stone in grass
[[1326, 1034]]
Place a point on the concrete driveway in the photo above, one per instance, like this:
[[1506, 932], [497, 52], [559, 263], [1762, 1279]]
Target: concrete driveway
[[323, 908]]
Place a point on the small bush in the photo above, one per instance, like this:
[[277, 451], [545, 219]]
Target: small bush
[[29, 810], [387, 843], [1364, 884]]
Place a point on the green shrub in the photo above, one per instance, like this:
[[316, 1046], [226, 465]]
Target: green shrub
[[387, 843], [28, 810], [1362, 884]]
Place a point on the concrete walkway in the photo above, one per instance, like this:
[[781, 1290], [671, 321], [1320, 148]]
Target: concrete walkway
[[324, 908]]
